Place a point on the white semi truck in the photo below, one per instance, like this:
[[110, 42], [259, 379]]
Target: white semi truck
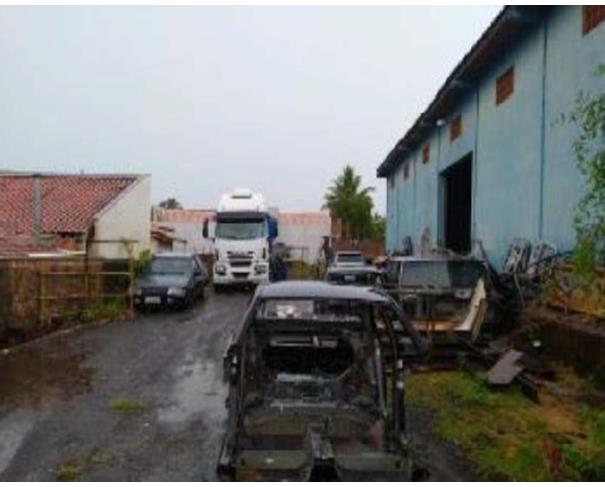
[[243, 232]]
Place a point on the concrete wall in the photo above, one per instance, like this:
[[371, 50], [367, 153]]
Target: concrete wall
[[127, 217], [570, 67], [192, 233], [525, 181], [304, 233]]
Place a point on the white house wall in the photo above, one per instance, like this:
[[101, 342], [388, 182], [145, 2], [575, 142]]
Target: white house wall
[[126, 218]]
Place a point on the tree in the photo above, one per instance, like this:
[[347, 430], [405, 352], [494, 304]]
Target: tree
[[378, 228], [170, 204], [589, 149], [351, 204]]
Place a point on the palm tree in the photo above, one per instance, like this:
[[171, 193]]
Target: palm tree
[[351, 204]]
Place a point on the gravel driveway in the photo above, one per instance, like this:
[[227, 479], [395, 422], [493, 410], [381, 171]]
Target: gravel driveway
[[132, 400]]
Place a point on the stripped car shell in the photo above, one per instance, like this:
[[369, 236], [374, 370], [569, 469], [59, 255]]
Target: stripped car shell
[[316, 392], [441, 295]]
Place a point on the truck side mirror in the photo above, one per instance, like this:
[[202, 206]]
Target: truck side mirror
[[205, 228]]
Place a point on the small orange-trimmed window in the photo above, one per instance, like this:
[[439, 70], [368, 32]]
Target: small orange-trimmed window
[[455, 128], [592, 16], [505, 85], [426, 154], [406, 171]]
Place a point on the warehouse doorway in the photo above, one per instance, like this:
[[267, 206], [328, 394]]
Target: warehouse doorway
[[457, 203]]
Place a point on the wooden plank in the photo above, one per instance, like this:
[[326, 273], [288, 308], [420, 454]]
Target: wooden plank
[[506, 369]]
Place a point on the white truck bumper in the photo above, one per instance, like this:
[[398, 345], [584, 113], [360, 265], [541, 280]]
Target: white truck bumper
[[239, 275]]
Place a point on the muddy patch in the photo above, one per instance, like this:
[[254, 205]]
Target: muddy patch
[[37, 378]]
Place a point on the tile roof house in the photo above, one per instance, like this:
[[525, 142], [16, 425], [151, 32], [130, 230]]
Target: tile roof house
[[53, 213]]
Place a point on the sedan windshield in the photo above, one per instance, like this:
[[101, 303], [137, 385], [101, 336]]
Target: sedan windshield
[[163, 265], [240, 230]]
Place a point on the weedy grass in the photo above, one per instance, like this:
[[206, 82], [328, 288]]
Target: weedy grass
[[109, 311], [509, 437], [126, 405], [99, 457], [68, 472]]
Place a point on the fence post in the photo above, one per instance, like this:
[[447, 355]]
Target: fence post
[[130, 290], [41, 297]]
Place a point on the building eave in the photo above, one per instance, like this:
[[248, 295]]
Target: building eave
[[511, 23]]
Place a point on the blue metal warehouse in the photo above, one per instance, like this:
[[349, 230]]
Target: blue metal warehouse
[[488, 158]]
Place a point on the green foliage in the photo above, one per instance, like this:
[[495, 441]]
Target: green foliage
[[126, 405], [351, 204], [378, 228], [142, 262], [507, 436], [68, 472], [108, 311], [170, 204], [588, 115]]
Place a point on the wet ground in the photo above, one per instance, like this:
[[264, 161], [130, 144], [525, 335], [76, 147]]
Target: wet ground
[[133, 400], [56, 396]]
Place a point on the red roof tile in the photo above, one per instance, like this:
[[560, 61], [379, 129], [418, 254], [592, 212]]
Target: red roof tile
[[69, 202], [187, 216]]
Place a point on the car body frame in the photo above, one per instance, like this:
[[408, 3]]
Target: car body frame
[[316, 375]]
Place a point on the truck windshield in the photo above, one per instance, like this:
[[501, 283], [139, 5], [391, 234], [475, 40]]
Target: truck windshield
[[240, 230]]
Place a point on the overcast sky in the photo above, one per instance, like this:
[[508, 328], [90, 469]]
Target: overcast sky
[[205, 99]]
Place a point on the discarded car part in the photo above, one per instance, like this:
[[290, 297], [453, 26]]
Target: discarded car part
[[318, 389], [506, 369], [541, 258], [517, 256], [441, 295], [362, 275]]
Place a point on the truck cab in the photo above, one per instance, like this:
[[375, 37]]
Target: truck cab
[[243, 233]]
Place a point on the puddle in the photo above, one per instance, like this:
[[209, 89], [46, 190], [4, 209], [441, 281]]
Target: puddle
[[198, 392], [36, 378]]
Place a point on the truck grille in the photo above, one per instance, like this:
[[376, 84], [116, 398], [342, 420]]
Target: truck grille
[[240, 255], [240, 263]]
